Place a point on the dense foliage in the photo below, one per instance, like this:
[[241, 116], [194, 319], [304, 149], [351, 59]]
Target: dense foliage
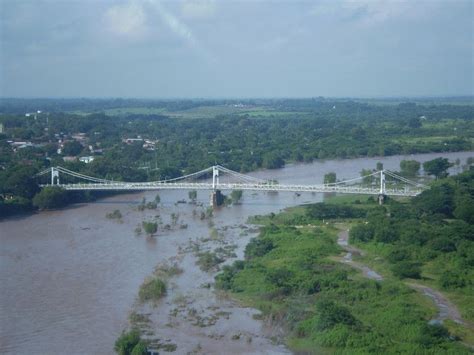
[[432, 236]]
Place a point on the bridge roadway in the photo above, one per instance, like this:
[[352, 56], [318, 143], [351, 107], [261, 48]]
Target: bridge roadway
[[119, 186]]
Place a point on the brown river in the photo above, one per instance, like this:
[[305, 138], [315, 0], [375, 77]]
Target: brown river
[[70, 278]]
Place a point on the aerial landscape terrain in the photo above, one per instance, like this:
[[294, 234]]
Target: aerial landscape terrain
[[211, 177]]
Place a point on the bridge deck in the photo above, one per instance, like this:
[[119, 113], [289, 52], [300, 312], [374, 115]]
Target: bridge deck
[[239, 186]]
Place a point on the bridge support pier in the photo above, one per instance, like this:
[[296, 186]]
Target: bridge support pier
[[217, 198], [54, 176], [381, 199]]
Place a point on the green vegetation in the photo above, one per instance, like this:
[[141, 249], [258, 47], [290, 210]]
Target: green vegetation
[[150, 228], [409, 168], [437, 167], [50, 197], [430, 237], [129, 343], [291, 275], [152, 289], [236, 196], [330, 178]]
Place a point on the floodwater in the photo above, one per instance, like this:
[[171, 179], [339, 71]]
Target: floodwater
[[70, 278]]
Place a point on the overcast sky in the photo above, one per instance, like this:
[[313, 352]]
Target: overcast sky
[[206, 48]]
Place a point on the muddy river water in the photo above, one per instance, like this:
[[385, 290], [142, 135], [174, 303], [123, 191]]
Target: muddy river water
[[70, 278]]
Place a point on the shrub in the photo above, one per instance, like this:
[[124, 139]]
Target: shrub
[[140, 349], [225, 279], [50, 197], [126, 342], [362, 233], [398, 255], [331, 314], [281, 278], [432, 334], [152, 290], [443, 244], [450, 280], [258, 247], [408, 269], [150, 228]]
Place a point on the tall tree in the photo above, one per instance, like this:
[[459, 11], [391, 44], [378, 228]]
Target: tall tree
[[409, 168], [437, 167], [330, 178]]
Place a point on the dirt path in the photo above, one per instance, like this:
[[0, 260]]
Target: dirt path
[[446, 309], [343, 241]]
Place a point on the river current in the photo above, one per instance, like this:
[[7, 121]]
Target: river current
[[70, 277]]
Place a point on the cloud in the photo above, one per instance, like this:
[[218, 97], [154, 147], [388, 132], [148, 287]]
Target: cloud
[[369, 12], [174, 24], [198, 9], [126, 20], [181, 30]]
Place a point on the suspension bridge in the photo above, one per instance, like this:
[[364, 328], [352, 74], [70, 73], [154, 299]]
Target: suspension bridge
[[217, 178]]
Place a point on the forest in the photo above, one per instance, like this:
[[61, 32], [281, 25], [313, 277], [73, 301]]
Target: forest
[[255, 134]]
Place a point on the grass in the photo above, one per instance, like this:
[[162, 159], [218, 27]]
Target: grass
[[197, 112], [207, 111]]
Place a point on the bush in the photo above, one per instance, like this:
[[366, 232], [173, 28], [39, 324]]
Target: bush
[[152, 290], [432, 334], [126, 342], [140, 349], [258, 247], [398, 255], [150, 228], [331, 314], [361, 233], [50, 197], [408, 269], [443, 244], [450, 280], [225, 279], [280, 278]]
